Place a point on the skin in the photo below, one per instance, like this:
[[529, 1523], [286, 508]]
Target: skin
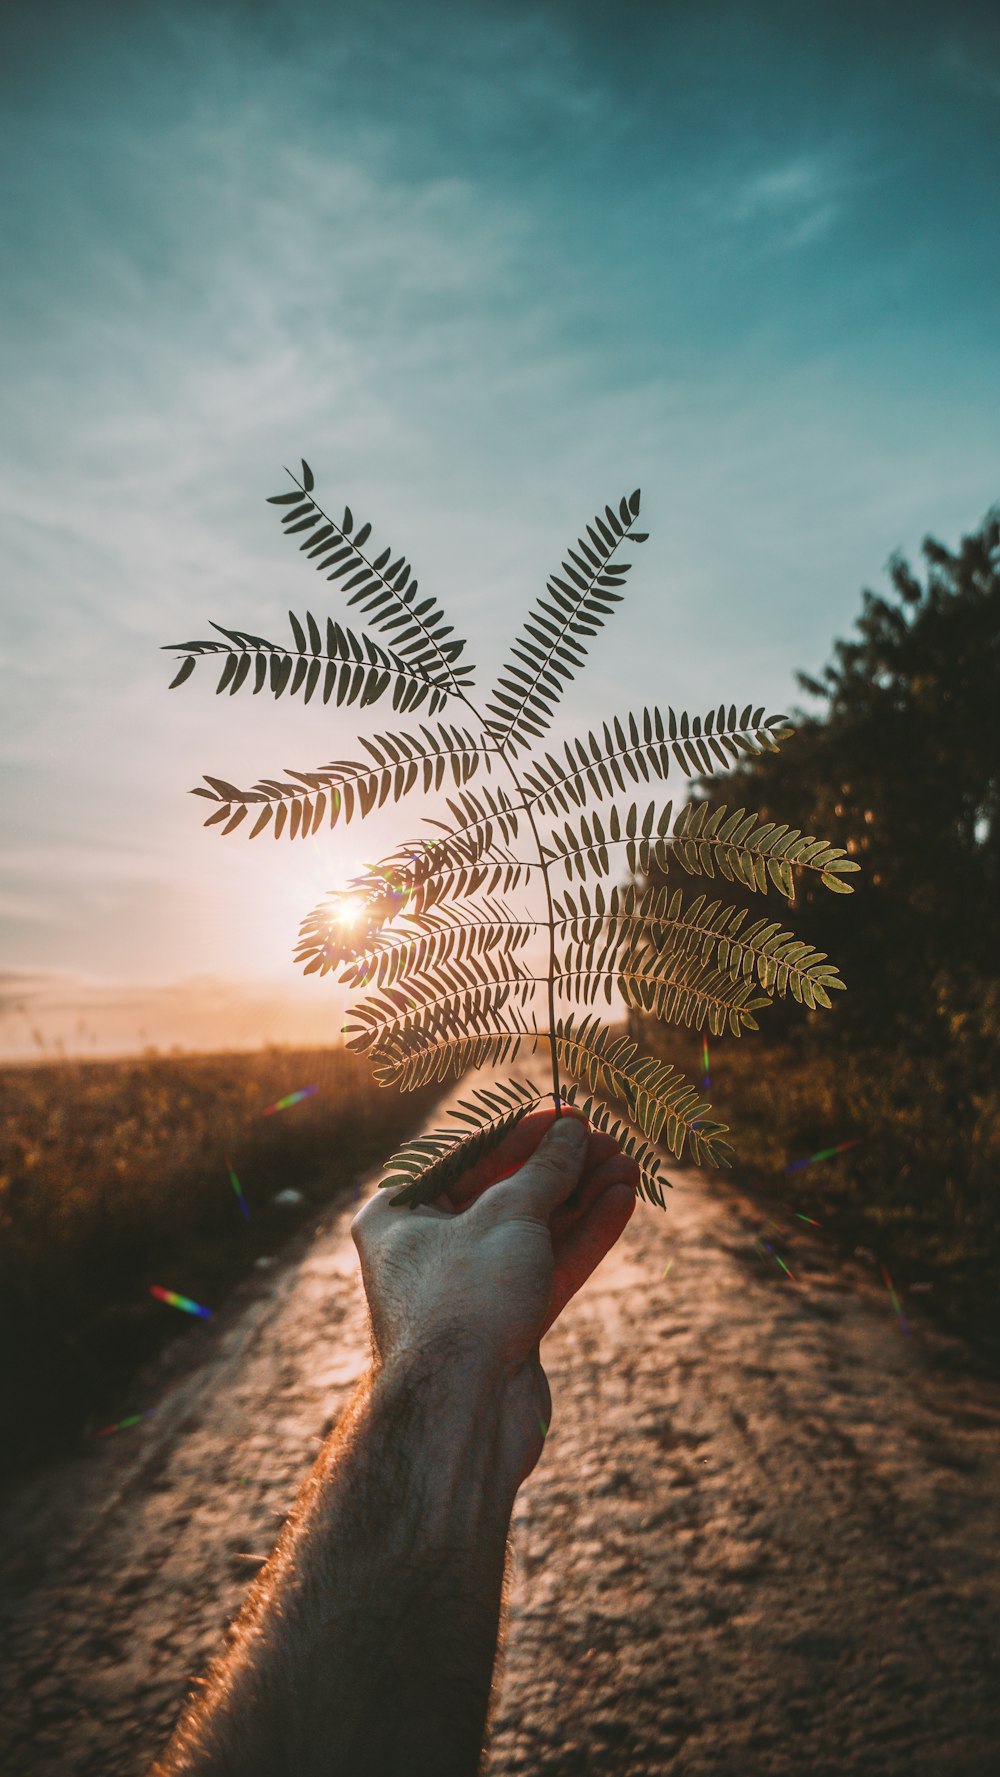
[[367, 1646]]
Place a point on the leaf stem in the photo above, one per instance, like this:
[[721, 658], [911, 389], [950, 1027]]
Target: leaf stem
[[550, 920]]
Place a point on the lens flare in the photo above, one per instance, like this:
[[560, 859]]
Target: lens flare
[[894, 1299], [123, 1424], [290, 1098], [173, 1300], [824, 1154], [238, 1188], [348, 910]]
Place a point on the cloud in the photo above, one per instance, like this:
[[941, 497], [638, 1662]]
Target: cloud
[[792, 204]]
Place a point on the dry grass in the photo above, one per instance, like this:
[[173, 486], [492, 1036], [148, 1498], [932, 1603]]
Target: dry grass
[[113, 1177], [919, 1193]]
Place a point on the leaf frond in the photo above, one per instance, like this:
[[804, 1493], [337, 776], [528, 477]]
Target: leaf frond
[[383, 588], [552, 645], [632, 920], [427, 879], [747, 849], [415, 1063], [346, 667], [452, 1000], [586, 847], [436, 939], [661, 1102], [635, 749], [743, 847], [425, 1168], [398, 764]]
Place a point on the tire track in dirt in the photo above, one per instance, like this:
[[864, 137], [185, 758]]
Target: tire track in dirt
[[763, 1536]]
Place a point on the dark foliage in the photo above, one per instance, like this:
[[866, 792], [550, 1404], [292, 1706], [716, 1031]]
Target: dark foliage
[[903, 768]]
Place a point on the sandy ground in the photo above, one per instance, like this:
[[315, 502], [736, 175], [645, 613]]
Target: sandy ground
[[763, 1536]]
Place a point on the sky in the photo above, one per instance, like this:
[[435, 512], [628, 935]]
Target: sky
[[486, 267]]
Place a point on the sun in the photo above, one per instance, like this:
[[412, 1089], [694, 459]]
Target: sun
[[348, 911]]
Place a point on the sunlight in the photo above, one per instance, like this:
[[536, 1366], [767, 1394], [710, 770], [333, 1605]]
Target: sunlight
[[349, 911]]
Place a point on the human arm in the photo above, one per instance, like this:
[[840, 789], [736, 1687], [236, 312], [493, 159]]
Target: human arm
[[367, 1644]]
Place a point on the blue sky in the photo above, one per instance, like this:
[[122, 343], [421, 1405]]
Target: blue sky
[[486, 267]]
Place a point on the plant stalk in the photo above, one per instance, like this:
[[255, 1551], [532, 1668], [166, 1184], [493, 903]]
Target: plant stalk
[[550, 913]]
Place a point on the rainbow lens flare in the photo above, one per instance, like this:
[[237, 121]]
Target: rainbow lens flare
[[290, 1098], [824, 1154], [123, 1424], [704, 1061], [894, 1299], [780, 1262], [238, 1188], [173, 1300]]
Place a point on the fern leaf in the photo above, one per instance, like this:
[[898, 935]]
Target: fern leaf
[[346, 667], [743, 848], [418, 1062], [398, 764], [637, 748], [632, 919], [586, 848], [435, 939], [671, 987], [383, 589], [747, 849], [551, 647], [663, 1104], [442, 962], [453, 1000], [425, 1168]]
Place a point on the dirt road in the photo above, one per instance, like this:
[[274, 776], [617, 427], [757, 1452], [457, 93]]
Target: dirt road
[[764, 1536]]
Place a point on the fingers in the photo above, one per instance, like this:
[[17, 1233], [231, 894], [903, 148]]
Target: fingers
[[587, 1242], [549, 1177], [515, 1149], [612, 1167]]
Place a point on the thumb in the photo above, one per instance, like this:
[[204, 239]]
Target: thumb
[[551, 1174]]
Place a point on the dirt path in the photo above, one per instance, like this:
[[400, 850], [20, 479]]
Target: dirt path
[[764, 1536]]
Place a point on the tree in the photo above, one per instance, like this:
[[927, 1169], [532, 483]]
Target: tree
[[903, 770]]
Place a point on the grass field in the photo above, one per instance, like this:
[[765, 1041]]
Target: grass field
[[919, 1192], [114, 1178]]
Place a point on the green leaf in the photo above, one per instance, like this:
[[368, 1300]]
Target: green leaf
[[836, 883]]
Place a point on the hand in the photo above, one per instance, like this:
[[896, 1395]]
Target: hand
[[478, 1277]]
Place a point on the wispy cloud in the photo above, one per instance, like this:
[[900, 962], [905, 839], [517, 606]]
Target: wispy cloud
[[792, 204]]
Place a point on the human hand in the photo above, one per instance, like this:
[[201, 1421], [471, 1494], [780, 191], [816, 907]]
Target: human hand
[[480, 1276]]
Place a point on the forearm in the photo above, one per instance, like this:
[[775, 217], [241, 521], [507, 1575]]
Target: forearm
[[367, 1645]]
